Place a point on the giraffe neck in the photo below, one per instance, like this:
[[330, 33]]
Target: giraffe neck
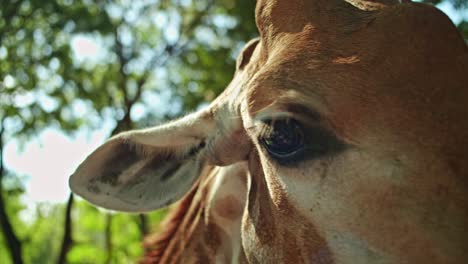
[[204, 227]]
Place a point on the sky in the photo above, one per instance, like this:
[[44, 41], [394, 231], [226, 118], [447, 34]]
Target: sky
[[455, 16], [48, 160]]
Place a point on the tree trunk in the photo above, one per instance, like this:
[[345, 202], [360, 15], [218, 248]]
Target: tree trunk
[[108, 238], [144, 230], [67, 240], [12, 241]]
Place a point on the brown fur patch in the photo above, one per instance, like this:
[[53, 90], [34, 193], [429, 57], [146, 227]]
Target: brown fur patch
[[276, 231], [229, 207]]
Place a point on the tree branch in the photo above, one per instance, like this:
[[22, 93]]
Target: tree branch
[[67, 240], [159, 59], [108, 238], [169, 50], [144, 230], [13, 243]]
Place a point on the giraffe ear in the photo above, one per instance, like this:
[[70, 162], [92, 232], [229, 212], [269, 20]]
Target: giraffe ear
[[147, 169], [144, 170]]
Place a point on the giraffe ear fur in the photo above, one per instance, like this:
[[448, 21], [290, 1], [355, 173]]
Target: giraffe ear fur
[[143, 170]]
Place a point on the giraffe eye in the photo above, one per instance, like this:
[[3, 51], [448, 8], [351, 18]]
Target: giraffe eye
[[283, 139]]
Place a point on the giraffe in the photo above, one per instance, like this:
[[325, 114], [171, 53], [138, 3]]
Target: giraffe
[[343, 135], [204, 227]]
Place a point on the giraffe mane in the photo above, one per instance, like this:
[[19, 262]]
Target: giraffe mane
[[182, 217], [156, 245]]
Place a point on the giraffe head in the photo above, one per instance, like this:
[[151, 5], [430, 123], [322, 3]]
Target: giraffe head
[[350, 118]]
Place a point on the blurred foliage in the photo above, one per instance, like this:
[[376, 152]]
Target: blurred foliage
[[463, 27], [459, 4], [43, 84], [155, 59], [36, 61], [13, 189], [462, 8], [41, 233]]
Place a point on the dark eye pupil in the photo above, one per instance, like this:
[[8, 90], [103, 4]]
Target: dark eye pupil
[[283, 138]]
